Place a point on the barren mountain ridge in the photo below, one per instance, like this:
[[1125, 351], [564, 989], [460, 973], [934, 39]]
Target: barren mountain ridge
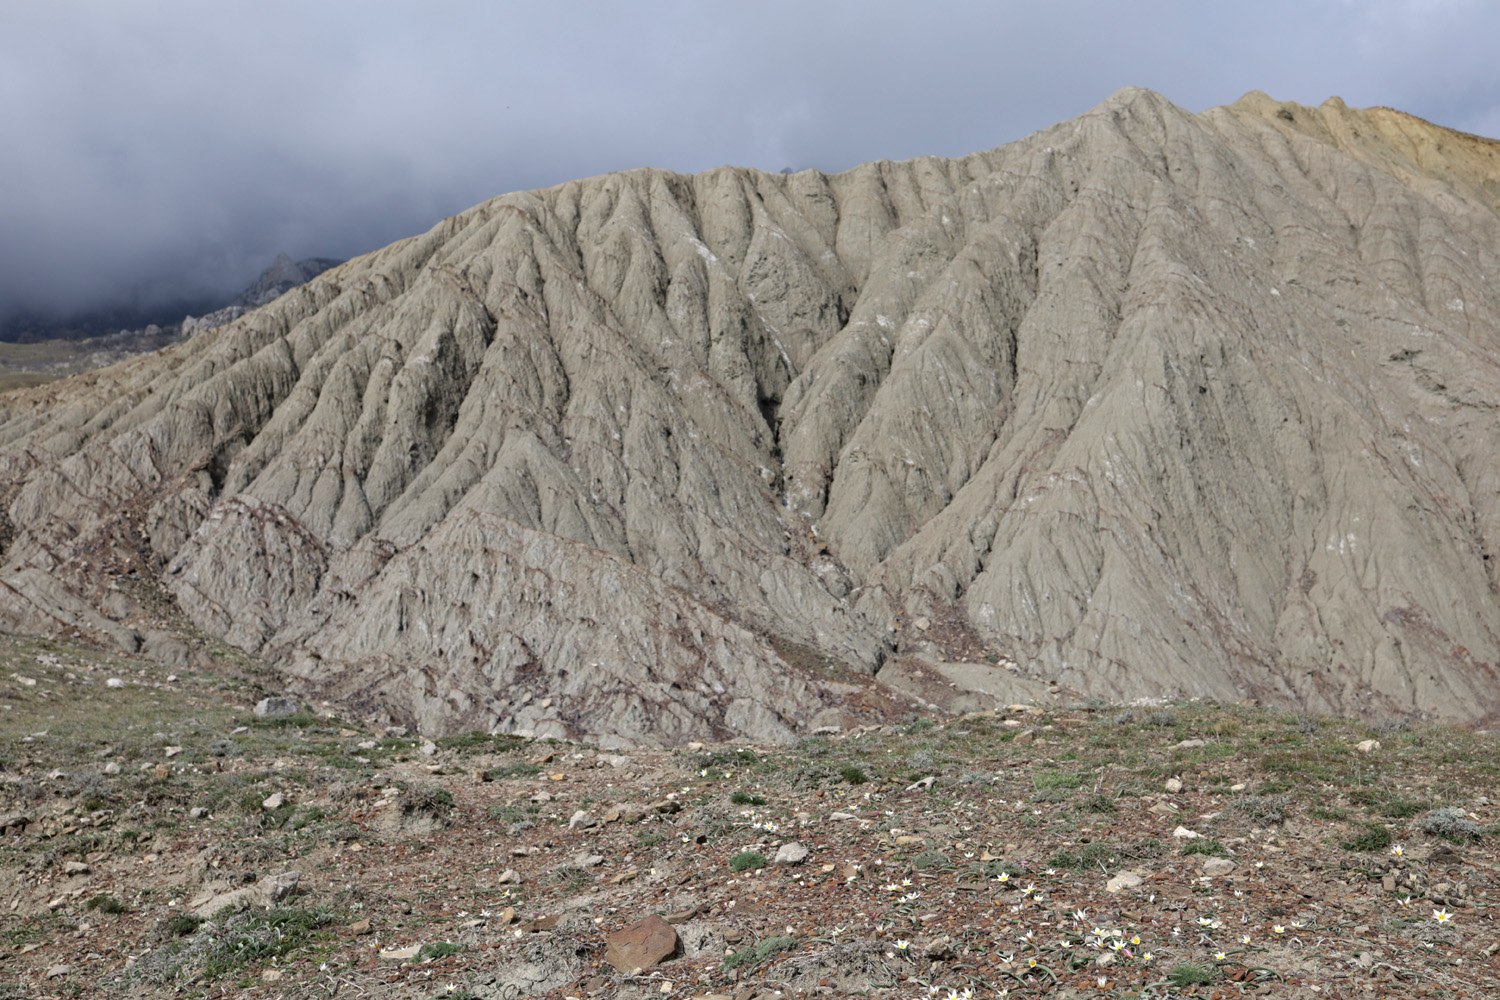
[[1146, 404]]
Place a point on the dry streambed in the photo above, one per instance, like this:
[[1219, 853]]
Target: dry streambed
[[161, 838]]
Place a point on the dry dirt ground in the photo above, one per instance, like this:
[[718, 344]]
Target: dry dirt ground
[[160, 839]]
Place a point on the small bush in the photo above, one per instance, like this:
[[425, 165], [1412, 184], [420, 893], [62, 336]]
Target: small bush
[[1451, 824], [477, 742], [743, 798], [929, 859], [301, 720], [1187, 974], [1160, 720], [1267, 810], [105, 903], [1056, 779], [1100, 804], [756, 954], [853, 775], [520, 769], [429, 800], [439, 949], [182, 925], [1203, 845], [572, 876], [1086, 856], [1374, 838], [1399, 808], [648, 839], [746, 860]]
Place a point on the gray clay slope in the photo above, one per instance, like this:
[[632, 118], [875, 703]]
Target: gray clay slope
[[1148, 403]]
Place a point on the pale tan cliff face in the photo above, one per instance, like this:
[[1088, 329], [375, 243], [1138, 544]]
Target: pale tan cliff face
[[1149, 402]]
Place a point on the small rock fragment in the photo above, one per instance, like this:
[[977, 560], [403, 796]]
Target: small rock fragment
[[360, 927], [1124, 880], [59, 970], [1367, 746], [114, 682], [640, 945], [279, 886], [1183, 833], [276, 708], [583, 819], [401, 954], [1173, 785], [1189, 744], [76, 868], [791, 853], [273, 801], [1218, 866], [509, 877]]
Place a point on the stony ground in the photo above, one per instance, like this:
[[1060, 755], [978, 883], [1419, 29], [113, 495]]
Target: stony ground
[[161, 839]]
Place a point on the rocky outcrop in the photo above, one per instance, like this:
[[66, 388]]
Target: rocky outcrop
[[1148, 403], [282, 276]]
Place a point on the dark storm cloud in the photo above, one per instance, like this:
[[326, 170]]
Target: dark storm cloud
[[159, 149]]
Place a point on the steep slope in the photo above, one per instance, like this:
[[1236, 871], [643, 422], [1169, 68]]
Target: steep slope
[[1145, 403]]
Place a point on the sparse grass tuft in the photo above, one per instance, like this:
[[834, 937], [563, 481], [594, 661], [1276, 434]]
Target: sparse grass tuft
[[1188, 974], [1375, 837], [1203, 845]]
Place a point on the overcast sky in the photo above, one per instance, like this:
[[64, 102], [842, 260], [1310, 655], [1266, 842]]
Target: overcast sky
[[159, 149]]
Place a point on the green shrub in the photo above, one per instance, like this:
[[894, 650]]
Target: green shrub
[[182, 925], [105, 903], [520, 769], [1374, 838], [853, 775], [1203, 845], [746, 860], [438, 949], [929, 859], [1100, 804], [756, 954], [477, 742], [1056, 779], [1399, 808], [1187, 974], [746, 799], [1267, 810]]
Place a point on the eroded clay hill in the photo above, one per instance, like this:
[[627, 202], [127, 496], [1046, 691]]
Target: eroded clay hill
[[1149, 402]]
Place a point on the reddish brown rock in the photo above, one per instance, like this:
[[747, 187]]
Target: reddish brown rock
[[641, 945]]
